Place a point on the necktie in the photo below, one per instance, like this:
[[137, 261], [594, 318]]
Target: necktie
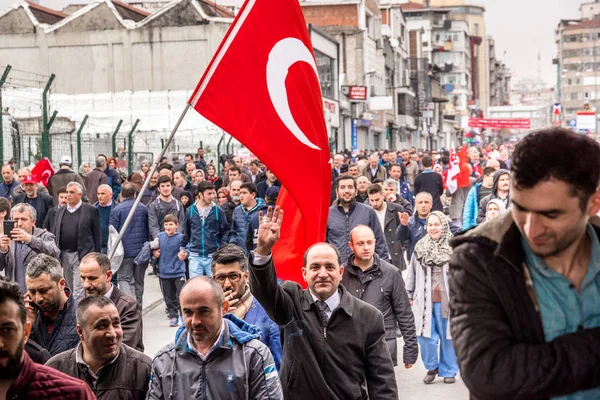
[[322, 308]]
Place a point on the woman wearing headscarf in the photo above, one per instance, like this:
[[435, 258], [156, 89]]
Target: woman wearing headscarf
[[494, 208], [84, 169], [427, 288], [224, 201]]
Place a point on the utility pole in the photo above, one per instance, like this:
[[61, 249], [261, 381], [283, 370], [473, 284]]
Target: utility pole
[[130, 147], [114, 138], [79, 139], [2, 80], [46, 123]]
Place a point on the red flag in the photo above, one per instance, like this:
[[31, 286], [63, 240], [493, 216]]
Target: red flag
[[42, 171], [463, 178], [262, 88]]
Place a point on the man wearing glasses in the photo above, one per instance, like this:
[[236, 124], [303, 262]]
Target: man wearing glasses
[[230, 268]]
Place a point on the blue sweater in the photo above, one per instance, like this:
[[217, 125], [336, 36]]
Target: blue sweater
[[169, 265]]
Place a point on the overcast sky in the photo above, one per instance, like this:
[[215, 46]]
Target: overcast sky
[[522, 28]]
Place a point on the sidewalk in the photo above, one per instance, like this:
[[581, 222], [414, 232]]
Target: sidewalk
[[152, 294]]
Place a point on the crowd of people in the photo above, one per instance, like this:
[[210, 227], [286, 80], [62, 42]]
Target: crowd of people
[[507, 298]]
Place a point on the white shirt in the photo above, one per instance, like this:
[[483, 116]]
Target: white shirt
[[332, 302], [381, 216], [72, 210], [107, 294]]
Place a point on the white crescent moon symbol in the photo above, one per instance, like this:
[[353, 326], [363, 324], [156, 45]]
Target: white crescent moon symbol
[[46, 172], [283, 55]]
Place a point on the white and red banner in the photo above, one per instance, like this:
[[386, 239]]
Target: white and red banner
[[262, 88], [458, 173], [503, 123]]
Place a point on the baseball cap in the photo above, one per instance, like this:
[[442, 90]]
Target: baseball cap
[[272, 192], [66, 160], [29, 179]]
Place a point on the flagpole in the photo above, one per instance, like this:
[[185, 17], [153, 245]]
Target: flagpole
[[147, 182]]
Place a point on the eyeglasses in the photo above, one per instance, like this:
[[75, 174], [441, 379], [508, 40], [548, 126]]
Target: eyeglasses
[[233, 277]]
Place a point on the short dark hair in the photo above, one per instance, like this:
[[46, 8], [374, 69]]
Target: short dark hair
[[5, 205], [128, 190], [102, 260], [249, 186], [62, 189], [353, 165], [255, 163], [165, 166], [374, 189], [561, 154], [171, 218], [345, 177], [85, 303], [487, 171], [164, 179], [229, 254], [235, 168], [427, 162], [204, 186], [189, 155], [10, 291], [337, 252]]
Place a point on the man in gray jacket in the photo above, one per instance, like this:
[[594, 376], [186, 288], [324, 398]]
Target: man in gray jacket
[[223, 353], [26, 241]]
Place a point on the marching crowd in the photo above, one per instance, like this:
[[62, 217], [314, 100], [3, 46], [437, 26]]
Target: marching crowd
[[509, 298]]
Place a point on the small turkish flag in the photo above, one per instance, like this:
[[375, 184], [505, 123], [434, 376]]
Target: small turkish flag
[[262, 88], [42, 171]]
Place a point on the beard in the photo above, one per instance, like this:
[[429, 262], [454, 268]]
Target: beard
[[235, 199], [15, 362], [99, 290]]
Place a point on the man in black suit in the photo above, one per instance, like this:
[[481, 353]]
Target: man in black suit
[[51, 215], [430, 182], [41, 202], [334, 343], [77, 232]]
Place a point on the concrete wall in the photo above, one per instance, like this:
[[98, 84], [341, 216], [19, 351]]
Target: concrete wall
[[96, 54]]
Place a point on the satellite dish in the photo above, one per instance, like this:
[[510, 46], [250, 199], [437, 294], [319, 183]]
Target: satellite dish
[[394, 42], [463, 83]]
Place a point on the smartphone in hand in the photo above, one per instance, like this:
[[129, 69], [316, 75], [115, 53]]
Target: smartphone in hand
[[9, 226]]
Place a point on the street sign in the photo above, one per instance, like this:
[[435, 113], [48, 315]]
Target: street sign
[[586, 120], [509, 123], [354, 137], [572, 123], [358, 94], [556, 108]]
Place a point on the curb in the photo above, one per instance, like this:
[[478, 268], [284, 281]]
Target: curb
[[152, 306]]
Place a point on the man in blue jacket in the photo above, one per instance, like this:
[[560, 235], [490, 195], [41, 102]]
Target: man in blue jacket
[[477, 192], [130, 277], [205, 230], [244, 226], [230, 269]]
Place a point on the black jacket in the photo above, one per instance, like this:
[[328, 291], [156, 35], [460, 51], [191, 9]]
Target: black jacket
[[50, 218], [432, 183], [497, 330], [383, 288], [64, 335], [130, 312], [36, 352], [390, 226], [89, 238], [125, 378], [347, 360], [44, 204]]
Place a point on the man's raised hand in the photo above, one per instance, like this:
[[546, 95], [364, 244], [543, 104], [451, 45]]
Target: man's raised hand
[[269, 226]]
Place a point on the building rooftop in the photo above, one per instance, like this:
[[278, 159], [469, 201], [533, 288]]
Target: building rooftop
[[45, 15], [583, 24], [411, 6], [129, 12]]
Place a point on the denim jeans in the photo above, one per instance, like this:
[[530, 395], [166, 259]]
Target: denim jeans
[[126, 277], [447, 364], [200, 265]]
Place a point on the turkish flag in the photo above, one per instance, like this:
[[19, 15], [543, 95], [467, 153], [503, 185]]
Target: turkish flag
[[42, 171], [262, 88]]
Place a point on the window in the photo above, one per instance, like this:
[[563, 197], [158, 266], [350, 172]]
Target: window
[[476, 29], [574, 96], [326, 70], [370, 27], [405, 104]]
